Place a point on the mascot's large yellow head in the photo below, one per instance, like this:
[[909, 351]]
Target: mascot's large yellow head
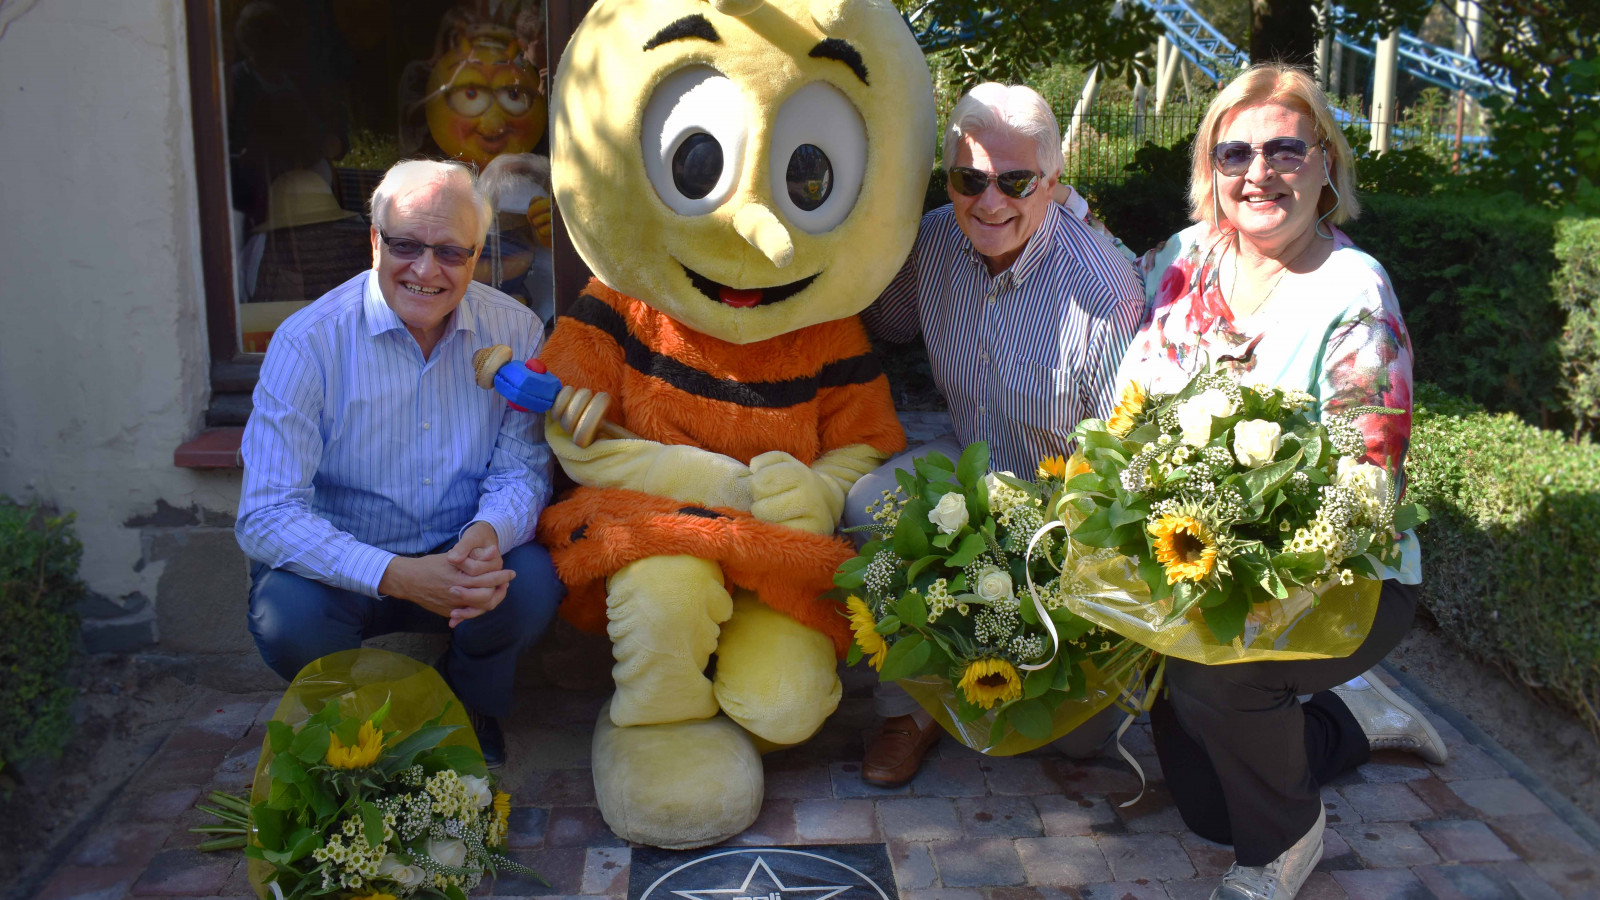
[[749, 168]]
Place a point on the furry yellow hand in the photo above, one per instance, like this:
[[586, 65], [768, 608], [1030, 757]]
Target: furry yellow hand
[[539, 219], [684, 473], [785, 491]]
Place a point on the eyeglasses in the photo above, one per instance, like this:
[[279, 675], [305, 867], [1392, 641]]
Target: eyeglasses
[[971, 182], [444, 254], [1283, 155]]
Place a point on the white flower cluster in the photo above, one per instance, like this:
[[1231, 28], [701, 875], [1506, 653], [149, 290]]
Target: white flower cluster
[[1345, 436], [940, 601], [1021, 522], [1025, 648], [354, 861], [886, 510], [1003, 497], [451, 795], [879, 574], [996, 623], [412, 812]]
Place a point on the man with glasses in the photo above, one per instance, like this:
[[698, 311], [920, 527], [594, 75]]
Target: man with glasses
[[1026, 311], [383, 491]]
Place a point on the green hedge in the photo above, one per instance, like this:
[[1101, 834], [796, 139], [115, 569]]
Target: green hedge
[[39, 593], [1577, 290], [1511, 556]]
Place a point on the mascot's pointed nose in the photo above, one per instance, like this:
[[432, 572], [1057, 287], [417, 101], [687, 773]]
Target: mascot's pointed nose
[[737, 7], [758, 225], [839, 18]]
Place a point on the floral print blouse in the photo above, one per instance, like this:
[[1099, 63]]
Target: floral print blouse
[[1335, 333]]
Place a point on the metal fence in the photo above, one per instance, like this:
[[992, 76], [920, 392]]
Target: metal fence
[[1102, 144]]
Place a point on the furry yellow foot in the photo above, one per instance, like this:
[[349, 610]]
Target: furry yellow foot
[[682, 785]]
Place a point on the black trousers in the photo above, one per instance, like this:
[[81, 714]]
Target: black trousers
[[1244, 759]]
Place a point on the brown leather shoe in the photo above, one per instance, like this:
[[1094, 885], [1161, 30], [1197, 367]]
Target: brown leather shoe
[[893, 757]]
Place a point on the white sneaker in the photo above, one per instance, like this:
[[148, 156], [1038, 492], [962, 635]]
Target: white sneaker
[[1280, 879], [1389, 722]]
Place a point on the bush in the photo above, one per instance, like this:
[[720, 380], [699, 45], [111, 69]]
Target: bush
[[39, 592], [1473, 277], [1508, 557], [1577, 290]]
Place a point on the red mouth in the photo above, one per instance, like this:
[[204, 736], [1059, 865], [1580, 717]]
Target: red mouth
[[746, 298]]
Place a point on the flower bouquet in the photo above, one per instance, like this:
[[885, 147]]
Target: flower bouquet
[[1224, 523], [371, 784], [959, 596]]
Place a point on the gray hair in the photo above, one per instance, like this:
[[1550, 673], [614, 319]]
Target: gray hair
[[414, 174], [1015, 108]]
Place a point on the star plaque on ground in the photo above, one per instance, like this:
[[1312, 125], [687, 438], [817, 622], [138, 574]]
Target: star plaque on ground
[[817, 872]]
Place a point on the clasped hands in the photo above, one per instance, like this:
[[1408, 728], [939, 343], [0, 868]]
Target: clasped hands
[[462, 583]]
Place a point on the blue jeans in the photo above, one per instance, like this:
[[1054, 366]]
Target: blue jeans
[[295, 620]]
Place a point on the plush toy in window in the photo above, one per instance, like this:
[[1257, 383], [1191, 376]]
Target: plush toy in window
[[743, 177]]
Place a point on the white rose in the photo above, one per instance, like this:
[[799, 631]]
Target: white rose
[[1195, 415], [478, 789], [398, 872], [1256, 442], [1369, 482], [994, 583], [451, 853], [951, 513]]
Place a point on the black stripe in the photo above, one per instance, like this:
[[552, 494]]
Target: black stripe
[[834, 48], [592, 311], [686, 27], [700, 512]]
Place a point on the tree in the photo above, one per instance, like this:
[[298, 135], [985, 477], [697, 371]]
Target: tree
[[1006, 41]]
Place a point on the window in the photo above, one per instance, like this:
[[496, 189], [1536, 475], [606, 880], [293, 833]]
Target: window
[[300, 106]]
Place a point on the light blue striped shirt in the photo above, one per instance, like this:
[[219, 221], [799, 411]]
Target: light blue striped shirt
[[359, 450], [1023, 356]]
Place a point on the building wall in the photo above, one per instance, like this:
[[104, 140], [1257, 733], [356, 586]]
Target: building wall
[[103, 360]]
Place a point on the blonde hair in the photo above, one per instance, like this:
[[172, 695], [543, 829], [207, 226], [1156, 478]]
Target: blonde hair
[[1293, 88], [1010, 107]]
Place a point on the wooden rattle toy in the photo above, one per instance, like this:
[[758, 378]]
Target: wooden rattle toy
[[580, 411]]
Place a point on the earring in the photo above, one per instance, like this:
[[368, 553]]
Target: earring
[[1216, 211], [1336, 198]]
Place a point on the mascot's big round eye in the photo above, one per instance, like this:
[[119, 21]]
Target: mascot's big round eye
[[810, 177], [693, 137], [470, 100], [514, 100], [697, 165], [819, 157]]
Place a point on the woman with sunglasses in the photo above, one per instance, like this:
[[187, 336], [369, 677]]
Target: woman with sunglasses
[[1266, 284]]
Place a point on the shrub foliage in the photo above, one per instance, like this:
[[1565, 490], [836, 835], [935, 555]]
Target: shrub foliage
[[1508, 557], [39, 592]]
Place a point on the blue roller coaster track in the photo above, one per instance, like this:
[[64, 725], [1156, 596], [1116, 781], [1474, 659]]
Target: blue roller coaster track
[[1212, 54]]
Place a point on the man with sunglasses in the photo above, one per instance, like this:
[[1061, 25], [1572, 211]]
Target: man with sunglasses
[[1026, 310], [383, 491]]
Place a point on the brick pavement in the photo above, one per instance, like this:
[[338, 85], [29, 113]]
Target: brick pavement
[[1034, 827]]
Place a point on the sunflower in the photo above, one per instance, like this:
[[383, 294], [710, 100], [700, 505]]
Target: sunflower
[[1185, 546], [865, 628], [502, 808], [364, 752], [1129, 405], [1053, 467], [986, 682]]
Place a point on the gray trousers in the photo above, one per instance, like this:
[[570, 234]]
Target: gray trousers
[[891, 700]]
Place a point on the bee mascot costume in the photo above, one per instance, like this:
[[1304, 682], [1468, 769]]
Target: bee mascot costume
[[743, 177]]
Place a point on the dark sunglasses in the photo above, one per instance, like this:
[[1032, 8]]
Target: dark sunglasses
[[444, 254], [971, 182], [1283, 155]]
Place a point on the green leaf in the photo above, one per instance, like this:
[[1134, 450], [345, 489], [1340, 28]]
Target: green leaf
[[1096, 530], [287, 769], [405, 753], [1270, 477], [454, 892], [1088, 482], [974, 463], [1409, 516], [934, 467], [942, 540], [888, 624], [1038, 681], [279, 736], [1119, 515], [461, 758], [1226, 619], [311, 743], [916, 568], [382, 713], [852, 655], [852, 579], [907, 482], [371, 824], [971, 546], [1361, 565], [1030, 718], [1154, 575], [302, 843], [913, 610], [268, 824], [910, 541], [906, 658]]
